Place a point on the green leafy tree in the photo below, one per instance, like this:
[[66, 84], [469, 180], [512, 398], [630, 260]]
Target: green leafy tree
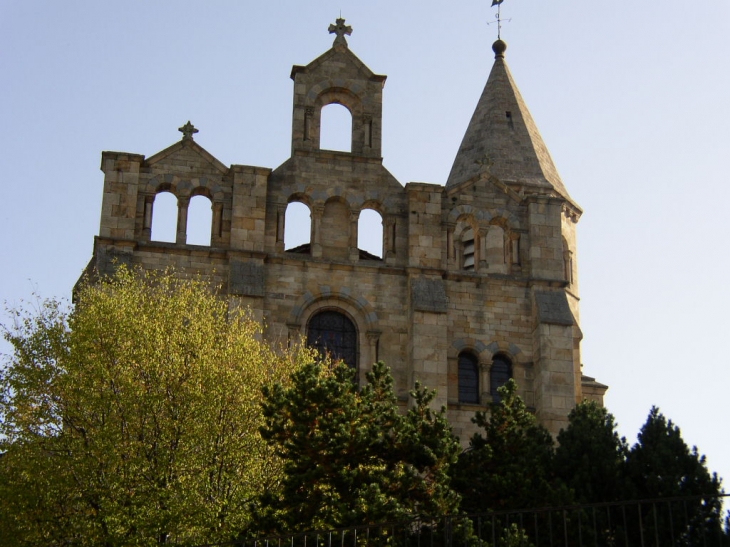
[[134, 418], [350, 457], [590, 456], [509, 465]]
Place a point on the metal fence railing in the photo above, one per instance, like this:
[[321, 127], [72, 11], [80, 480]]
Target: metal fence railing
[[666, 522]]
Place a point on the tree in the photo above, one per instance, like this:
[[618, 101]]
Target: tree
[[509, 466], [133, 418], [590, 455], [350, 457], [661, 465]]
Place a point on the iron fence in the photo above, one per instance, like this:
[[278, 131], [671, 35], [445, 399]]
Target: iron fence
[[666, 522]]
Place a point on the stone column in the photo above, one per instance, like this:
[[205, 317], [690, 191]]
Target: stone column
[[450, 250], [149, 203], [485, 390], [389, 237], [182, 220], [316, 237], [373, 339], [354, 253], [281, 228], [217, 226]]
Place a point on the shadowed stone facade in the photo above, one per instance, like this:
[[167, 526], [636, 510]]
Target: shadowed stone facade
[[483, 267]]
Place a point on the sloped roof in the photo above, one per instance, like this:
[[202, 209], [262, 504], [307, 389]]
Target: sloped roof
[[187, 144], [338, 53], [502, 138]]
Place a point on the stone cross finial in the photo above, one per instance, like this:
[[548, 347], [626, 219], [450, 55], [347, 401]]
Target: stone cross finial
[[188, 130], [340, 29]]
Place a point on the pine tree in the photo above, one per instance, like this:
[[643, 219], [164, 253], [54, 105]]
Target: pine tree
[[590, 455], [661, 465], [509, 465], [350, 457]]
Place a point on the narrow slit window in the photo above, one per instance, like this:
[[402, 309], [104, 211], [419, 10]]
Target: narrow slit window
[[468, 246]]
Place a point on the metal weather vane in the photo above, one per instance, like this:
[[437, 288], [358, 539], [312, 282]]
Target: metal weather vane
[[499, 20]]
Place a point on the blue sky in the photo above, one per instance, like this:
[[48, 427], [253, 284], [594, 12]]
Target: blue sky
[[631, 99]]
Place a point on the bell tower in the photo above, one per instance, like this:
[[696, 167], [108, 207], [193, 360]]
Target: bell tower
[[338, 77]]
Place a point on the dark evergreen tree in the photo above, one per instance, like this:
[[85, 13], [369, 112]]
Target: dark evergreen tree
[[509, 465], [350, 457], [590, 455], [661, 465]]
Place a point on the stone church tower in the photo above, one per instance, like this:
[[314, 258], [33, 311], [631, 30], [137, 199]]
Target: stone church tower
[[476, 282]]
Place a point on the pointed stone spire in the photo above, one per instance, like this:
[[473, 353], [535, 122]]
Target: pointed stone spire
[[502, 138]]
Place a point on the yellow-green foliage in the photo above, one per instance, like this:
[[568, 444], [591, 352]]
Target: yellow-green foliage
[[134, 419]]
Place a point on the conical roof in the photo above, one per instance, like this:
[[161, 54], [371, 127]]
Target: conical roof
[[502, 138]]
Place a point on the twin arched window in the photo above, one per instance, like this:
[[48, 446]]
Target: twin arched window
[[333, 231], [164, 222], [499, 373]]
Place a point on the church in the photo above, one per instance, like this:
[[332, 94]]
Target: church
[[476, 280]]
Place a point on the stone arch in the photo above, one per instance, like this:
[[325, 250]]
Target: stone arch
[[334, 333], [201, 191], [335, 128], [468, 381], [360, 307], [344, 93], [162, 215], [303, 239], [341, 96], [484, 216], [479, 350], [517, 361], [200, 219], [374, 204], [465, 242], [184, 190], [486, 354], [358, 310], [301, 197], [371, 232]]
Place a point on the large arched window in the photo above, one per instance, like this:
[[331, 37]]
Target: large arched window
[[468, 378], [200, 221], [297, 227], [333, 334], [370, 234], [164, 217], [335, 128], [499, 374]]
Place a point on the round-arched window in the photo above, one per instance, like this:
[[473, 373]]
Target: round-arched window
[[499, 374], [468, 378], [333, 334]]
